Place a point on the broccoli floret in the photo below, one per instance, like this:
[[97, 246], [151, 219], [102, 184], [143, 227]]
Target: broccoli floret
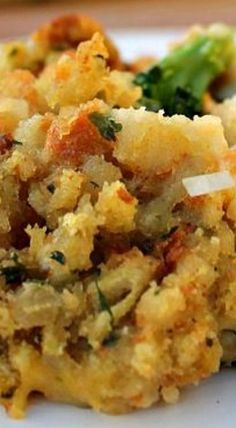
[[177, 84]]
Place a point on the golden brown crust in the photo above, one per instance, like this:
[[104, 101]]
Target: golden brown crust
[[70, 30], [80, 138]]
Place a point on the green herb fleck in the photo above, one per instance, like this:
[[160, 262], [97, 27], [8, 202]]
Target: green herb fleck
[[51, 188], [104, 305], [7, 139], [17, 143], [13, 274], [14, 257], [58, 256], [147, 246], [105, 125], [111, 340], [169, 233]]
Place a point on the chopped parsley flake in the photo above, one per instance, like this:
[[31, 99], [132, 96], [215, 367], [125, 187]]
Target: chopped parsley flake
[[14, 257], [106, 125], [169, 233], [17, 143], [51, 188], [58, 256], [13, 274], [104, 305], [111, 340], [7, 142], [147, 246]]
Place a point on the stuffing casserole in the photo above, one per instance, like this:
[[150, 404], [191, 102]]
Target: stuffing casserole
[[117, 218]]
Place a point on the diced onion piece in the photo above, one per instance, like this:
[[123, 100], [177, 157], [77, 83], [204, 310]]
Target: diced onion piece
[[207, 183]]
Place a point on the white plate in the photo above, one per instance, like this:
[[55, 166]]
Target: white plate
[[133, 43], [211, 405]]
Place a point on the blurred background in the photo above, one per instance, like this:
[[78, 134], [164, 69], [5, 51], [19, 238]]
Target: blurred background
[[19, 17]]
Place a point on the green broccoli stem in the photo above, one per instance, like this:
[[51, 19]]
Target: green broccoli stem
[[177, 84]]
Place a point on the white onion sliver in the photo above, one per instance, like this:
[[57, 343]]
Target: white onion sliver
[[207, 183]]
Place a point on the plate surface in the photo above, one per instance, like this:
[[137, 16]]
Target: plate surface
[[212, 404]]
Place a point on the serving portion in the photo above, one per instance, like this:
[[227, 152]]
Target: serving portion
[[118, 216]]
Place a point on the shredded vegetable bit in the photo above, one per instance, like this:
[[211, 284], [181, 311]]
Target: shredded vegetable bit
[[207, 183]]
